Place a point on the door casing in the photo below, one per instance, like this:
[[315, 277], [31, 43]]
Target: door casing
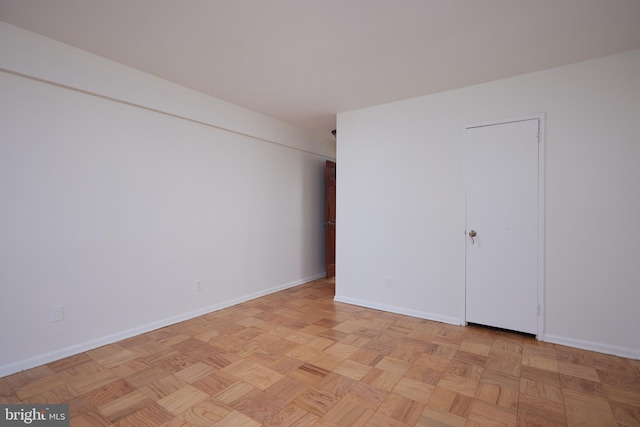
[[541, 191]]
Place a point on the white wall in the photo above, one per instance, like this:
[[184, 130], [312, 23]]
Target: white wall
[[400, 199], [120, 191]]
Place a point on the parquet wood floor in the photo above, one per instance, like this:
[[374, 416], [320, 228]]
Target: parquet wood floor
[[297, 358]]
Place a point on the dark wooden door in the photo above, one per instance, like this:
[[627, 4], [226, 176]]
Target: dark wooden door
[[330, 217]]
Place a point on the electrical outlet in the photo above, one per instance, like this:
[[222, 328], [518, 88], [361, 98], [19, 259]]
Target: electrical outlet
[[387, 282], [198, 286], [57, 313]]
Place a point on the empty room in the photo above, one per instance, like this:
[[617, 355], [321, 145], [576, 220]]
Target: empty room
[[320, 213]]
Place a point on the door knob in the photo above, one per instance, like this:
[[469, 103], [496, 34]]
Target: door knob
[[472, 234]]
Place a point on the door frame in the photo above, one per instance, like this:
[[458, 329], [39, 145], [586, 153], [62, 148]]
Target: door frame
[[541, 229]]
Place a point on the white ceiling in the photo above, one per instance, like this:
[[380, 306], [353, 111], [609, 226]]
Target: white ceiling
[[303, 61]]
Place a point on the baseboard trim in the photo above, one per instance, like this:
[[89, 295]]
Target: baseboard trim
[[58, 354], [398, 310], [629, 353]]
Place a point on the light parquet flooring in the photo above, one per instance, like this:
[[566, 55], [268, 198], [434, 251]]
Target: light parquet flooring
[[297, 358]]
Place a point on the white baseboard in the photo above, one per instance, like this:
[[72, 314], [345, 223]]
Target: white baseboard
[[61, 353], [399, 310], [630, 353]]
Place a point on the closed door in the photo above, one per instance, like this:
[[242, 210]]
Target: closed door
[[502, 225], [330, 217]]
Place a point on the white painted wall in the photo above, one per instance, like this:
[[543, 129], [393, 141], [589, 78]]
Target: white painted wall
[[400, 199], [120, 191]]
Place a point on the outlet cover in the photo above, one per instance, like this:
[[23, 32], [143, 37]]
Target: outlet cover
[[57, 313]]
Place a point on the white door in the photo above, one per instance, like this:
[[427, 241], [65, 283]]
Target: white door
[[502, 225]]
